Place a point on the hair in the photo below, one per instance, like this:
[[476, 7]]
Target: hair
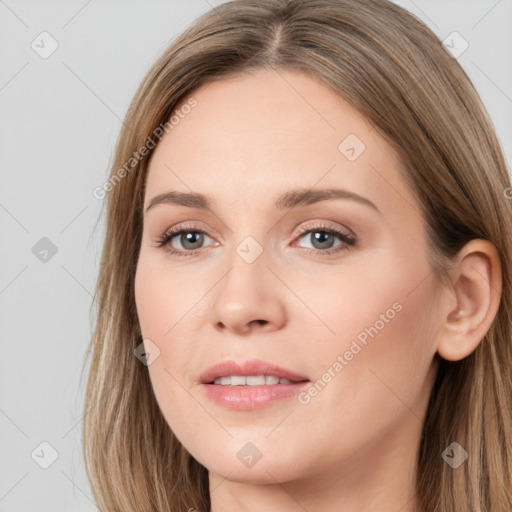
[[392, 68]]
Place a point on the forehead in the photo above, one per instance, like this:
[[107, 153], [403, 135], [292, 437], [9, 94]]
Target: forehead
[[254, 135]]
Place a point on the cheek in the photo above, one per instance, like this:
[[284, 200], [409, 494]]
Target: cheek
[[374, 316], [382, 351], [145, 299], [162, 296], [164, 300]]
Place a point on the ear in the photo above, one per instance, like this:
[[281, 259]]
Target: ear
[[470, 306]]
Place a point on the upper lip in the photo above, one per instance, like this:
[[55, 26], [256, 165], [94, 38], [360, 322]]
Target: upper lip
[[253, 367]]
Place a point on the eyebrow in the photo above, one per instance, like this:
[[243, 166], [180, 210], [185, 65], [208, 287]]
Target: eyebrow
[[290, 199]]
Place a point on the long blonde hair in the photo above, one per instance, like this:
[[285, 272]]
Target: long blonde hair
[[394, 70]]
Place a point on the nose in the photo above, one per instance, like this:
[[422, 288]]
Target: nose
[[248, 298]]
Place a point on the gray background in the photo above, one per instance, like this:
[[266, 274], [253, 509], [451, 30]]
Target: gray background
[[60, 118]]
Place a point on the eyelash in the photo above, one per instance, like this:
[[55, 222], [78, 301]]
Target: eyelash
[[347, 239]]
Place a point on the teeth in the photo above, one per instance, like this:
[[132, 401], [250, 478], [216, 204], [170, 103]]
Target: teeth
[[237, 380], [250, 380]]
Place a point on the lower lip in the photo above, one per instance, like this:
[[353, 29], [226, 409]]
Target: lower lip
[[251, 397]]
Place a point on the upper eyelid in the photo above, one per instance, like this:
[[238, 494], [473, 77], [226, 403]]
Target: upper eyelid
[[198, 226]]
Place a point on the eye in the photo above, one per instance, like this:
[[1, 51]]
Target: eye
[[191, 238], [323, 237], [188, 236]]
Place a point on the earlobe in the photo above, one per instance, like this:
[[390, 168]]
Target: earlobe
[[473, 300]]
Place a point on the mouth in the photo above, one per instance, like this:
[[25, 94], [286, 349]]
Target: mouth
[[250, 385], [252, 380], [249, 373]]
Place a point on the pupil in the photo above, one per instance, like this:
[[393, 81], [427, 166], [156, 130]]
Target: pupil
[[321, 236], [189, 238]]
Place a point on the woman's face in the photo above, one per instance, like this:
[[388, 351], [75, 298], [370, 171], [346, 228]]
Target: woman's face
[[267, 282]]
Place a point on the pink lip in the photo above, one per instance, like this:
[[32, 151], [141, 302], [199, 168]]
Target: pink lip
[[249, 397]]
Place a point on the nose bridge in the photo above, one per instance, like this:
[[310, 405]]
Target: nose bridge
[[247, 279], [249, 293]]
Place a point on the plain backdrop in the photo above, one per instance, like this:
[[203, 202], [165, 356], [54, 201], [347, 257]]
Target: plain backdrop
[[60, 116]]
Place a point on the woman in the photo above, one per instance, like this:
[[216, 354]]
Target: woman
[[366, 370]]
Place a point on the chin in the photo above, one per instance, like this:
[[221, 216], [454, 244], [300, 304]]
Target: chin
[[265, 470], [260, 474]]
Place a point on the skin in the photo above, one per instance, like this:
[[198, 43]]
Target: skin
[[248, 140]]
